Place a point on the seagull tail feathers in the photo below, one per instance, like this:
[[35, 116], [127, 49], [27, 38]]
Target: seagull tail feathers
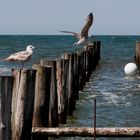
[[3, 59]]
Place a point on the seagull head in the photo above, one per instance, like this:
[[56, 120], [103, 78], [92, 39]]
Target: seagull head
[[30, 47], [90, 16]]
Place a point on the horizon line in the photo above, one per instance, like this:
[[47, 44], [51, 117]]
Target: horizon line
[[69, 35]]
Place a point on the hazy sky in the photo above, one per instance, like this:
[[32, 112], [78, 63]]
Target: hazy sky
[[50, 16]]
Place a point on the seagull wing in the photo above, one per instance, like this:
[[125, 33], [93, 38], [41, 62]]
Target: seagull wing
[[84, 31], [69, 32], [19, 56]]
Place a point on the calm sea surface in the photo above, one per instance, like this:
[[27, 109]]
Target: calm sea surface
[[118, 96]]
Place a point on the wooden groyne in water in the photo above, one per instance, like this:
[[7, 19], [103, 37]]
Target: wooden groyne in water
[[137, 54], [45, 95], [35, 102]]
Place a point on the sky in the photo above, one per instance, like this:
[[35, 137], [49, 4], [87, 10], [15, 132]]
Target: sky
[[48, 17]]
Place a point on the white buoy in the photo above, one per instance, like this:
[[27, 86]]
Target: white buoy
[[130, 69]]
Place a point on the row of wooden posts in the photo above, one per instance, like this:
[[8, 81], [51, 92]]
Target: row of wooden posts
[[46, 94], [92, 131]]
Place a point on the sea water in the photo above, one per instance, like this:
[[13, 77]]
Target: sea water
[[117, 95]]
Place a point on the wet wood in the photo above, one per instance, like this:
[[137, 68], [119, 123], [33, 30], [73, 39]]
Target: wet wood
[[5, 110], [53, 105], [88, 131], [137, 54], [97, 45], [70, 84], [22, 104], [71, 97], [98, 51], [56, 86], [62, 66], [42, 96], [88, 63], [76, 76], [82, 69]]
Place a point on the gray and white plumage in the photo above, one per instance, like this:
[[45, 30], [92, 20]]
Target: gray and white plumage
[[22, 56], [83, 36]]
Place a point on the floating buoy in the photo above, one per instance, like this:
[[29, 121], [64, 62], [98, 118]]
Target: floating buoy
[[130, 69]]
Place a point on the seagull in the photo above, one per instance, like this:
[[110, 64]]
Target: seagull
[[22, 56], [83, 36]]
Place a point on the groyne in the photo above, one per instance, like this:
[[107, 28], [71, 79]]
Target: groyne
[[45, 95]]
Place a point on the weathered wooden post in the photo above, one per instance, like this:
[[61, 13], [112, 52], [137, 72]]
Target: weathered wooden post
[[87, 64], [62, 66], [53, 105], [97, 45], [42, 95], [79, 55], [82, 76], [42, 98], [98, 51], [6, 83], [90, 60], [137, 54], [94, 56], [71, 98], [89, 131], [76, 76], [22, 104]]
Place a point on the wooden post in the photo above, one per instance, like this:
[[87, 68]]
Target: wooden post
[[88, 131], [97, 45], [42, 98], [79, 55], [6, 83], [53, 106], [62, 66], [137, 54], [93, 49], [94, 55], [90, 59], [76, 77], [82, 76], [22, 104], [88, 72], [71, 98], [98, 51]]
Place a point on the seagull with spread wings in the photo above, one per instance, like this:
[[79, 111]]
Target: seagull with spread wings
[[22, 56], [83, 36]]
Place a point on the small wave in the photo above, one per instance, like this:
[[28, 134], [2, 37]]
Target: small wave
[[116, 99], [110, 97]]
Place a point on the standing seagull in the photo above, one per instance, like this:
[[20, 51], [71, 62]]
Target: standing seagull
[[83, 36], [22, 56]]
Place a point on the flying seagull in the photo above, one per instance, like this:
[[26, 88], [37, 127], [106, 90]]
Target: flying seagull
[[83, 36], [22, 56]]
